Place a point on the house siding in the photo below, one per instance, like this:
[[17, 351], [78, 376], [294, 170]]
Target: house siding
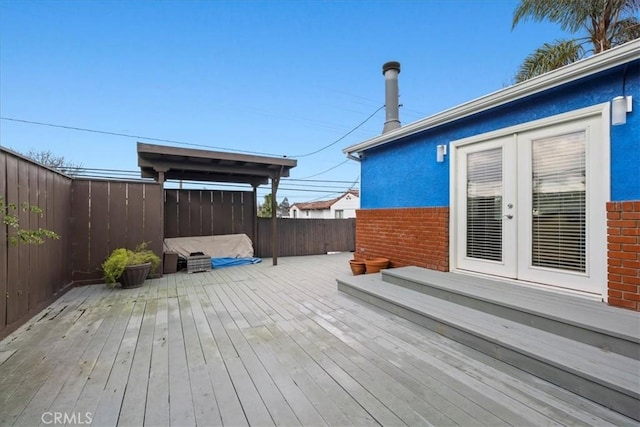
[[623, 251], [348, 204], [410, 163], [314, 214], [407, 236]]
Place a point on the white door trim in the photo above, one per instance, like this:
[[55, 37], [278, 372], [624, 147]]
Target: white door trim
[[599, 111]]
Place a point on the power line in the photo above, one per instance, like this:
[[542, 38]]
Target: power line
[[96, 173], [325, 171], [126, 135], [171, 141], [106, 172], [262, 191], [316, 180], [267, 191], [203, 145], [415, 113], [351, 187], [313, 186], [355, 182], [339, 139], [325, 197]]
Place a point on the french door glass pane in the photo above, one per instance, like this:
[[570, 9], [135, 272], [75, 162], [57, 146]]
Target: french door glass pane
[[484, 204], [559, 202]]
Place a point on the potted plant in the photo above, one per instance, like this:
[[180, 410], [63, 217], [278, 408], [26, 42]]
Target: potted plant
[[130, 267]]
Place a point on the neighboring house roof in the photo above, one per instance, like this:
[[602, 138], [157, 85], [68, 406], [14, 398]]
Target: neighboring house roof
[[586, 67], [323, 204]]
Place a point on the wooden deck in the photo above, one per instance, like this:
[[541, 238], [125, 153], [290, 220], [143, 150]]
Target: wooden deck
[[259, 345]]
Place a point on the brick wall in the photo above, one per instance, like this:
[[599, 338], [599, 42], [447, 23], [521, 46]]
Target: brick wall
[[407, 236], [623, 253], [420, 236]]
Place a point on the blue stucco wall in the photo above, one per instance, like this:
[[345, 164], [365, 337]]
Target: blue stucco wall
[[405, 173]]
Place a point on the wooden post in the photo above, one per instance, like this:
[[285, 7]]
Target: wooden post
[[256, 239], [274, 219], [161, 180]]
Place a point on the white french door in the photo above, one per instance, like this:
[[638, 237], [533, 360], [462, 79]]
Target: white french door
[[530, 204], [487, 237]]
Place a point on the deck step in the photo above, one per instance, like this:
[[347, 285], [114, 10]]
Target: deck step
[[588, 321], [611, 379]]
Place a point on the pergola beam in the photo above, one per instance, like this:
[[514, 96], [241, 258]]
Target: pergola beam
[[211, 168], [184, 164]]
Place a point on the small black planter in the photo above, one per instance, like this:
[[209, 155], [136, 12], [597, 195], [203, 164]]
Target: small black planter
[[134, 276]]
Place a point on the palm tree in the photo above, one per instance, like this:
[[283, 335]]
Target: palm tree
[[608, 23]]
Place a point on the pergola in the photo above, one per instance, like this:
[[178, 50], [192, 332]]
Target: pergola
[[162, 162]]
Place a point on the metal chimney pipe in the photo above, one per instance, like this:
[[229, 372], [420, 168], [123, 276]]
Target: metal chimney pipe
[[390, 70]]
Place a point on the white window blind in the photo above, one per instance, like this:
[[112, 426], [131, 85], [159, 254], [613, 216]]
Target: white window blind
[[484, 204], [559, 202]]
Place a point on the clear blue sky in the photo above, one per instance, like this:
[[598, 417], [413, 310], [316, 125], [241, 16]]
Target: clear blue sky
[[269, 77]]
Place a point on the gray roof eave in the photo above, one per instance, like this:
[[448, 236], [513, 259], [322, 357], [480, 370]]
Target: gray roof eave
[[603, 61]]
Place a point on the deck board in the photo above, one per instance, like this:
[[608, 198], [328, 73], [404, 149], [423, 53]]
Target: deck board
[[249, 398], [204, 405], [335, 404], [619, 370], [108, 409], [436, 350], [39, 380], [275, 403], [157, 403], [135, 397], [36, 342], [181, 399], [449, 400], [417, 354], [356, 391], [228, 406], [554, 304], [261, 345]]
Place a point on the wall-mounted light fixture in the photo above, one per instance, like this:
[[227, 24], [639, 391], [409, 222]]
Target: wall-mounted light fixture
[[441, 151], [620, 106]]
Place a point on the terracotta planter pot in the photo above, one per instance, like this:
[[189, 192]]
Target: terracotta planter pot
[[374, 265], [134, 275], [357, 267]]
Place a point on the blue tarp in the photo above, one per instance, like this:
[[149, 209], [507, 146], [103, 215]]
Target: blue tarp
[[230, 262]]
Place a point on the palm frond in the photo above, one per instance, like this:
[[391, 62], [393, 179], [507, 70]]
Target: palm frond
[[630, 7], [607, 23], [626, 30], [548, 58], [570, 14]]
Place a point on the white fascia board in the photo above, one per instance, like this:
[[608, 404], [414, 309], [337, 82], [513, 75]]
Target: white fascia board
[[597, 63]]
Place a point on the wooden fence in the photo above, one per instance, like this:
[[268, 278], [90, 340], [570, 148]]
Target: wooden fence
[[93, 217], [209, 213], [297, 237], [112, 214], [32, 276]]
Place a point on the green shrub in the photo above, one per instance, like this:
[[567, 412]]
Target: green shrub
[[121, 257], [18, 235]]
